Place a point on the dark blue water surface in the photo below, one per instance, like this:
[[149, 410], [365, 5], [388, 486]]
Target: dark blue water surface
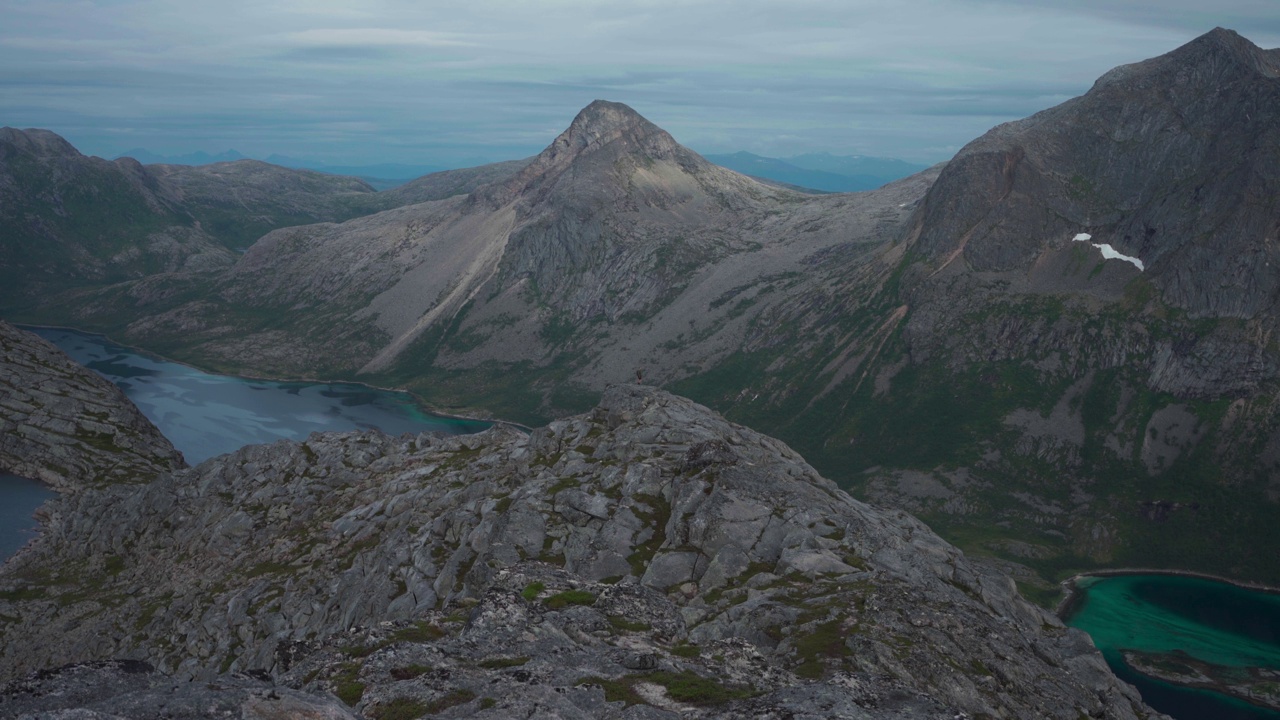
[[19, 498], [205, 415]]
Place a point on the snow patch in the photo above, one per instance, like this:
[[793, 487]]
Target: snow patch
[[1110, 253]]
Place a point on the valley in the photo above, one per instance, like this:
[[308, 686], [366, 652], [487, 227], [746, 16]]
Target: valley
[[948, 345], [940, 345]]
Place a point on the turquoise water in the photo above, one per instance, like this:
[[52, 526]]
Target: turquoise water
[[205, 415], [1212, 621]]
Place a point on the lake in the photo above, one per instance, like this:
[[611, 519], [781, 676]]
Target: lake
[[1186, 629], [205, 415], [19, 498]]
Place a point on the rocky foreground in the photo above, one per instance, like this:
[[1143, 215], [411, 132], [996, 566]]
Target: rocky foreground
[[646, 560], [64, 425]]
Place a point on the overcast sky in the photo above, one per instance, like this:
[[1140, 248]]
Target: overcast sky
[[458, 82]]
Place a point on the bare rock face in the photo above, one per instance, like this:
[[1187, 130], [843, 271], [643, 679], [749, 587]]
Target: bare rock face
[[64, 425], [1172, 160], [648, 559]]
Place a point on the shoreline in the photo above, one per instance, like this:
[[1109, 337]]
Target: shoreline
[[1073, 594], [417, 399]]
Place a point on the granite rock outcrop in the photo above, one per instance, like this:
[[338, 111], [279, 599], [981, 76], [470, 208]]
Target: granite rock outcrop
[[647, 559], [67, 426]]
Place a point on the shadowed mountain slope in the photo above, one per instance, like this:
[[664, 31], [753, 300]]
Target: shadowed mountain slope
[[71, 220], [240, 201], [1040, 399], [68, 221], [1175, 160]]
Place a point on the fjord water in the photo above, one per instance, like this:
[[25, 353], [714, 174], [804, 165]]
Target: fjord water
[[1216, 622], [19, 498], [205, 415]]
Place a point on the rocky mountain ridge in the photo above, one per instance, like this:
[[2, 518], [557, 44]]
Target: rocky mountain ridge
[[646, 560], [68, 427], [586, 266], [946, 347], [72, 222], [1172, 160], [1140, 388]]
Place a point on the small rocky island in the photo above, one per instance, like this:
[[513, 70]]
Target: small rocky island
[[1255, 685], [647, 559]]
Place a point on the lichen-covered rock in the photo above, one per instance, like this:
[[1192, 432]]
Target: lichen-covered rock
[[649, 552], [64, 425]]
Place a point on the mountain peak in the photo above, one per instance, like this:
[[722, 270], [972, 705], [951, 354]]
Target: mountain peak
[[602, 133], [1221, 48], [603, 122], [38, 142]]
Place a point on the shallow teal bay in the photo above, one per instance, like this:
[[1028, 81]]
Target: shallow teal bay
[[1212, 621]]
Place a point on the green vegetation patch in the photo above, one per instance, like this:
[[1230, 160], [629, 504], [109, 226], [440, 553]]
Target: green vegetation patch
[[422, 631], [696, 690], [455, 697], [347, 686], [532, 591], [825, 641], [620, 690], [656, 518], [400, 708], [686, 649], [685, 687]]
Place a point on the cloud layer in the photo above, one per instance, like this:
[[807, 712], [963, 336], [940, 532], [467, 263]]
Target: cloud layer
[[450, 82]]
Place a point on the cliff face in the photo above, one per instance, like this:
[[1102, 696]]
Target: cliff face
[[649, 552], [64, 425], [1172, 160], [1161, 369]]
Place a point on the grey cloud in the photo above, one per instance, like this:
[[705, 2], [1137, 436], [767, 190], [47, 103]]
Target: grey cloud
[[432, 81]]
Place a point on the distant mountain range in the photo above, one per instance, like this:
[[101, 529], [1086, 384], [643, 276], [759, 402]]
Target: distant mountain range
[[377, 175], [820, 171], [200, 157]]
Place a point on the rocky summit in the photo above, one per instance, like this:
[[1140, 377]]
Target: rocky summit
[[64, 425], [645, 560]]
